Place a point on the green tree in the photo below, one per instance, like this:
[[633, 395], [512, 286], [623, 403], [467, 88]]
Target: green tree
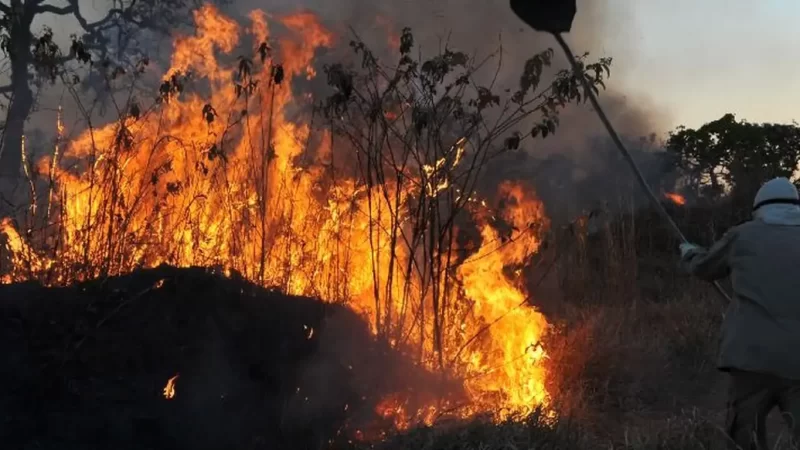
[[730, 158], [35, 59]]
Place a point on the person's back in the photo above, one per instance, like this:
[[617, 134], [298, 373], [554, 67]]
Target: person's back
[[762, 327], [760, 345]]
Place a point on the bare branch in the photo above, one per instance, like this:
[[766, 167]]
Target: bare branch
[[58, 10], [91, 27], [5, 89], [74, 8]]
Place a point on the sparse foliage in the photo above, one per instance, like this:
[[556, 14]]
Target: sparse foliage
[[422, 133]]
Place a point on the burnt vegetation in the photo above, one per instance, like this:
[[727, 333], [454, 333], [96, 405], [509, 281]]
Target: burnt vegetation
[[93, 325]]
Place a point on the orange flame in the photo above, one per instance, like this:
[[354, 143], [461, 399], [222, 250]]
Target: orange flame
[[215, 180], [676, 198], [169, 389]]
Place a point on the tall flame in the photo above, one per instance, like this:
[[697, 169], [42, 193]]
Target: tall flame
[[216, 179], [169, 388], [516, 330]]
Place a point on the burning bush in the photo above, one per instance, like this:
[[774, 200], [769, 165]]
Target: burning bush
[[367, 198]]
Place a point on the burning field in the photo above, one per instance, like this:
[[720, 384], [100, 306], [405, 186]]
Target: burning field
[[365, 197]]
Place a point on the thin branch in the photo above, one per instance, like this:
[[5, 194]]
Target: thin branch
[[94, 27], [58, 10]]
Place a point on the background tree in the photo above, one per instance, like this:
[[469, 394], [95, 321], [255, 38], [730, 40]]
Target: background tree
[[730, 159], [36, 59]]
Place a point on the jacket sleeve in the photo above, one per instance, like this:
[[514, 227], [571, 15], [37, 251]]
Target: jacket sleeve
[[714, 263]]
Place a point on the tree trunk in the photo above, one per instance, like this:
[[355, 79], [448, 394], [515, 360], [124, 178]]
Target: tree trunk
[[22, 95]]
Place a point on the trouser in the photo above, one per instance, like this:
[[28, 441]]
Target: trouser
[[752, 396]]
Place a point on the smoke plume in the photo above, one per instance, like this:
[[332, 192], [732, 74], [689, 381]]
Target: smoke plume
[[576, 169]]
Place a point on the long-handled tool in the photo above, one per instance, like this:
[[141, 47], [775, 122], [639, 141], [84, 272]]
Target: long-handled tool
[[555, 17]]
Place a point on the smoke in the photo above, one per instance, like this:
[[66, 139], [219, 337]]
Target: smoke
[[372, 381], [575, 170], [471, 24], [580, 149]]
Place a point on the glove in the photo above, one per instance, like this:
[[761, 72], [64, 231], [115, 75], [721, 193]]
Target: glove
[[687, 249]]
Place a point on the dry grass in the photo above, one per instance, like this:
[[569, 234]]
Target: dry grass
[[524, 433], [629, 373], [639, 377]]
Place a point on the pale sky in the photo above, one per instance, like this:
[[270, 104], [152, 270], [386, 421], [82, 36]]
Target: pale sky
[[699, 59]]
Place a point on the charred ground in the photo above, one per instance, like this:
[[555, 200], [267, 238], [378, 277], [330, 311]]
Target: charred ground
[[85, 366]]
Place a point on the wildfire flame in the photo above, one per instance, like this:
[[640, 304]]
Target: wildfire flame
[[214, 180], [676, 198], [169, 388]]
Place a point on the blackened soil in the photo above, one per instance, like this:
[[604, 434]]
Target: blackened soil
[[84, 367]]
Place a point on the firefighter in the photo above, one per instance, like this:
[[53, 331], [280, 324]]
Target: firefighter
[[760, 347]]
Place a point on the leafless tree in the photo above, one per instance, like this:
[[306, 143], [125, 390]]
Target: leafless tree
[[34, 58]]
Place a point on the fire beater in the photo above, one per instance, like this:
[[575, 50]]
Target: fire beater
[[555, 17]]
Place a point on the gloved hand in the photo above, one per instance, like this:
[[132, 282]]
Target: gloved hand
[[687, 249]]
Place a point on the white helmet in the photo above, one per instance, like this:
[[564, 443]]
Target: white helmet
[[777, 190]]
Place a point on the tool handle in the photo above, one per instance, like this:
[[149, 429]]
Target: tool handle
[[615, 137]]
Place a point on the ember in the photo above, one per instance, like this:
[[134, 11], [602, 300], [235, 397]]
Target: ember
[[676, 198], [169, 389]]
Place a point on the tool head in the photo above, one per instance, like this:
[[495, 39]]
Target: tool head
[[552, 16]]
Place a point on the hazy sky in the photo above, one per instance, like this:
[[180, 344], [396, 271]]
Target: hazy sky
[[687, 61], [698, 59]]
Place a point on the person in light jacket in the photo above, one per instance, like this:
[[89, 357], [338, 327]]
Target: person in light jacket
[[760, 346]]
